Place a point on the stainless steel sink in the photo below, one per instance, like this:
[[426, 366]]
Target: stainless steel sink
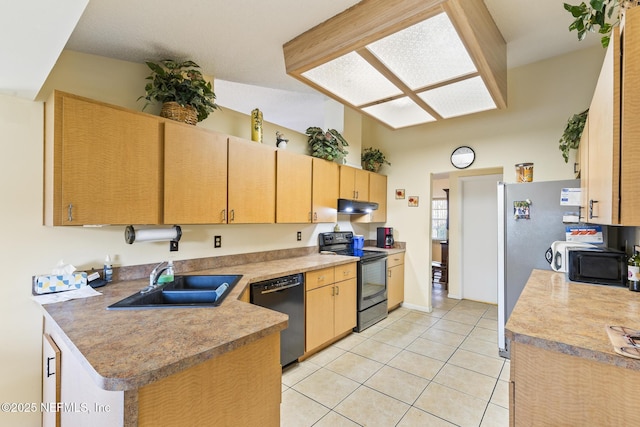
[[185, 291]]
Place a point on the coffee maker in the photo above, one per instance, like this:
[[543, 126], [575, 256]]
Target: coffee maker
[[385, 237]]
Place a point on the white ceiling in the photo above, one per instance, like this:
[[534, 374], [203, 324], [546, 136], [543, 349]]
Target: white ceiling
[[237, 41]]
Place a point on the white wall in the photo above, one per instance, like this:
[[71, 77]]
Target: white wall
[[26, 245], [541, 97]]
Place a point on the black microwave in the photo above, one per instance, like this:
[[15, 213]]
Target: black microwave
[[597, 265]]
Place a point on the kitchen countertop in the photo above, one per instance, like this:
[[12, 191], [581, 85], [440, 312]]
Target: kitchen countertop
[[568, 317], [127, 349]]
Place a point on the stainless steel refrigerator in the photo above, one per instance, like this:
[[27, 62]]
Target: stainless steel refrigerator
[[529, 220]]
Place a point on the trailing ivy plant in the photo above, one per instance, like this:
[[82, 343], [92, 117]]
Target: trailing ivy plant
[[327, 145], [572, 133], [597, 16]]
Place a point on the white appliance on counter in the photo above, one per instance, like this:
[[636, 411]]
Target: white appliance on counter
[[529, 220], [558, 254]]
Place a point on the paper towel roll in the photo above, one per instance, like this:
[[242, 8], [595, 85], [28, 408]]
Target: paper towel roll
[[152, 234]]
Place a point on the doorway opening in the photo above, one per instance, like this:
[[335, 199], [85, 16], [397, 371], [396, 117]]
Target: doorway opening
[[464, 221]]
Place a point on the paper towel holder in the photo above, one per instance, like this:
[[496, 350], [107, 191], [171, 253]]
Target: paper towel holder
[[172, 234]]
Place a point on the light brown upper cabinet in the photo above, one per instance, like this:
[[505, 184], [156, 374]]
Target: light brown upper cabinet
[[602, 154], [325, 190], [354, 183], [377, 194], [611, 181], [630, 134], [293, 187], [103, 164], [195, 175], [252, 182]]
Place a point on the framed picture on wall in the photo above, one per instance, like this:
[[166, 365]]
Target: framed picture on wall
[[399, 193], [413, 201]]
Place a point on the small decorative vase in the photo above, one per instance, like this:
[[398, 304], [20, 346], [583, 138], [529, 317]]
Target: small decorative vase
[[256, 125], [174, 111]]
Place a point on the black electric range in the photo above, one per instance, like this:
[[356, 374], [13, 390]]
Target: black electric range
[[371, 276], [341, 243]]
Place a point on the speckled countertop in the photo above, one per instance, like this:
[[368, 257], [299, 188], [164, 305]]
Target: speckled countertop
[[570, 317], [127, 349]]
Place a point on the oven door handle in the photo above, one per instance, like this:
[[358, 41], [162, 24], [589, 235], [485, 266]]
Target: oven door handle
[[371, 260]]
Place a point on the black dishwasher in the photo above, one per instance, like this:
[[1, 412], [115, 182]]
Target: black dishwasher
[[286, 295]]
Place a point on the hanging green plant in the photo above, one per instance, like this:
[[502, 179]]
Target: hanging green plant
[[598, 16], [327, 145], [572, 133]]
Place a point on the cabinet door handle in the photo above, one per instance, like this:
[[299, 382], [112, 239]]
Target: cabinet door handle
[[320, 278], [333, 291], [233, 215], [315, 216], [388, 273], [49, 373], [224, 215], [70, 213], [591, 203], [337, 290]]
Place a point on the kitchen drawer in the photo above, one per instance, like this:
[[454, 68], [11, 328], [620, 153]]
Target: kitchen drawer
[[318, 278], [346, 272], [395, 259]]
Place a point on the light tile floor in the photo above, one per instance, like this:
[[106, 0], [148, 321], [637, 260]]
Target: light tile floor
[[411, 369]]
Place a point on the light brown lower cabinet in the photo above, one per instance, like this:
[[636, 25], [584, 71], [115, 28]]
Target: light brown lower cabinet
[[50, 381], [395, 280], [549, 388], [239, 388], [331, 304]]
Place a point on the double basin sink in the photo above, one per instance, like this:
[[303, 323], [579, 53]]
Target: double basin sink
[[183, 292]]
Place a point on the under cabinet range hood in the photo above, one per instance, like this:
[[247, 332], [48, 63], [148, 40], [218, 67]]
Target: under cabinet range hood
[[346, 206]]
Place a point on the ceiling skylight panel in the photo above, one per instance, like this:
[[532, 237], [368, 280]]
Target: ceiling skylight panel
[[399, 113], [353, 79], [457, 99], [426, 53]]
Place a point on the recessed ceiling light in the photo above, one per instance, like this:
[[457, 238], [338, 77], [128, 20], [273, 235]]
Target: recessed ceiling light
[[405, 63]]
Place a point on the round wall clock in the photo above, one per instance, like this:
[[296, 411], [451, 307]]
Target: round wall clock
[[462, 157]]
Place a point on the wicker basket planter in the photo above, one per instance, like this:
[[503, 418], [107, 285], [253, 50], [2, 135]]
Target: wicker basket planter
[[174, 111]]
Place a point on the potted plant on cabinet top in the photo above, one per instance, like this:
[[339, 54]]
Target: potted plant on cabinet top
[[373, 159], [598, 15], [327, 145], [572, 133], [185, 94]]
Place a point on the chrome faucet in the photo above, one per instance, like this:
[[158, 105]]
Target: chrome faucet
[[154, 276]]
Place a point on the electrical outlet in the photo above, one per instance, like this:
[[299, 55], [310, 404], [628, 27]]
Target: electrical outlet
[[217, 241], [299, 236]]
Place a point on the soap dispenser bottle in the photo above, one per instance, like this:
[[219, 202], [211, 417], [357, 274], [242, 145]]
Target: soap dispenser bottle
[[108, 269], [168, 275]]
